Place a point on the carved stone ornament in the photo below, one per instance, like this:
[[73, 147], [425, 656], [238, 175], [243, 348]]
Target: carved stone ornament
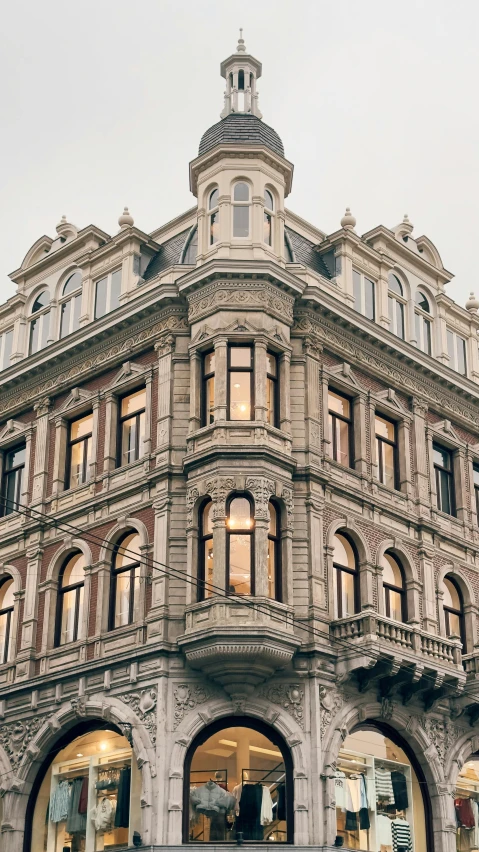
[[186, 699], [192, 496], [144, 705], [442, 734], [331, 703], [387, 708], [16, 736], [287, 497], [289, 696], [261, 489], [240, 294], [79, 705], [219, 489]]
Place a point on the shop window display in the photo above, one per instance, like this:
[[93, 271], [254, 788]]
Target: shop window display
[[379, 801], [466, 805], [89, 799], [237, 789]]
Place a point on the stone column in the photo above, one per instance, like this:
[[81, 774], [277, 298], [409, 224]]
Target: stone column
[[94, 440], [40, 468], [360, 412], [260, 411], [25, 496], [159, 576], [420, 447], [221, 379], [317, 583], [110, 441], [284, 363], [164, 348], [429, 619], [404, 454], [59, 457], [196, 390], [327, 438], [459, 472], [25, 661], [312, 350]]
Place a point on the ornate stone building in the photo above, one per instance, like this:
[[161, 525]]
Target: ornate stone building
[[239, 536]]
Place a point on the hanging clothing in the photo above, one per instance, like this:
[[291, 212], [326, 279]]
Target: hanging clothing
[[122, 814], [351, 823], [364, 822], [353, 788], [402, 841], [249, 820], [398, 780], [266, 815], [83, 803], [103, 815], [475, 813], [340, 790], [384, 835], [464, 813], [237, 795], [76, 822], [218, 826], [211, 799], [59, 802], [281, 809], [384, 787]]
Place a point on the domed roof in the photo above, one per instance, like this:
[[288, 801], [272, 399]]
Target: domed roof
[[241, 128]]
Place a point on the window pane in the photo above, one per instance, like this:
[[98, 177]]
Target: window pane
[[240, 514], [134, 402], [454, 624], [207, 519], [400, 320], [76, 463], [418, 327], [391, 312], [115, 289], [45, 329], [369, 299], [273, 525], [422, 302], [271, 401], [128, 441], [42, 300], [451, 597], [395, 605], [6, 594], [240, 396], [268, 199], [271, 364], [384, 428], [444, 495], [65, 318], [442, 457], [210, 400], [241, 192], [73, 283], [76, 313], [214, 199], [81, 427], [476, 474], [427, 337], [5, 636], [450, 349], [394, 284], [342, 442], [461, 356], [240, 356], [74, 571], [343, 552], [388, 465], [7, 349], [267, 229], [272, 552], [15, 457], [214, 228], [100, 298], [209, 363], [339, 404], [241, 221], [347, 594], [357, 291], [67, 626], [34, 331], [124, 584], [391, 572], [13, 488], [209, 564], [129, 551], [240, 564]]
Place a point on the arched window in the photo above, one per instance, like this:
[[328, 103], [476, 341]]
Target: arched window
[[453, 610], [423, 323], [240, 546], [274, 553], [398, 815], [125, 580], [71, 586], [396, 305], [241, 210], [208, 389], [6, 616], [205, 555], [40, 323], [346, 573], [214, 216], [70, 304], [191, 248], [394, 595], [268, 217]]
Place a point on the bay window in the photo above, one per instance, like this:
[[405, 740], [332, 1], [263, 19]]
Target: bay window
[[213, 216], [240, 546], [205, 553], [208, 389], [241, 208], [268, 217], [272, 390], [240, 383]]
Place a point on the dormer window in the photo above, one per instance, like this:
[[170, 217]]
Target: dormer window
[[396, 306], [214, 216], [70, 305], [456, 349], [364, 295], [423, 323], [107, 293], [40, 323], [241, 210], [268, 217]]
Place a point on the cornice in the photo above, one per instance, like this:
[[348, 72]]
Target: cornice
[[61, 253], [402, 248], [240, 270], [238, 151]]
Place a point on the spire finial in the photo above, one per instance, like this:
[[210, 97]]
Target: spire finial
[[126, 219], [348, 221], [241, 45], [472, 304]]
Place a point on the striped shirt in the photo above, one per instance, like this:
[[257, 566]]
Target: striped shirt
[[402, 841], [384, 787], [59, 802]]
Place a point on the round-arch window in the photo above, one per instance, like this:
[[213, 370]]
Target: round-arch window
[[74, 283], [394, 284], [453, 609], [214, 217], [79, 804], [268, 200], [6, 616], [42, 301], [379, 795], [241, 192], [240, 547], [125, 580], [244, 771], [346, 576], [70, 600], [205, 560], [274, 553], [213, 202], [393, 589], [268, 217], [422, 302]]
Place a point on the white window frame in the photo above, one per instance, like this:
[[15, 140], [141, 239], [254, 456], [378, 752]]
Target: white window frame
[[425, 317], [269, 211], [362, 310], [69, 298], [396, 298], [38, 316], [453, 360], [213, 211], [108, 278], [241, 204], [3, 338]]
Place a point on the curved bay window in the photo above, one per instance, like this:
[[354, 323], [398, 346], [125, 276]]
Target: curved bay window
[[245, 767], [274, 552], [208, 389], [205, 555], [240, 383], [240, 546], [394, 595], [88, 797], [213, 216], [69, 624], [453, 608], [346, 576], [381, 796], [268, 217], [396, 305], [40, 323], [70, 305], [466, 805], [241, 205], [6, 617], [125, 580]]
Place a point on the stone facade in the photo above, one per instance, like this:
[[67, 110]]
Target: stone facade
[[185, 660]]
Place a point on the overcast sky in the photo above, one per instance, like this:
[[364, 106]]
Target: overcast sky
[[104, 103]]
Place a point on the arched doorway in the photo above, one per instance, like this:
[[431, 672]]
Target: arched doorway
[[466, 798], [86, 796], [381, 794], [238, 784]]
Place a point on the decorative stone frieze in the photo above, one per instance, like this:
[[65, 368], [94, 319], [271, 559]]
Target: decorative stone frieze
[[331, 702], [238, 295], [290, 696], [144, 705], [15, 737]]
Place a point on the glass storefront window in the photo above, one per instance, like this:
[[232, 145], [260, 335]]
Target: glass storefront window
[[89, 799], [466, 804], [237, 784], [379, 802]]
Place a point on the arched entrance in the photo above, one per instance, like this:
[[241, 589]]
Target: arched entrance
[[238, 780], [381, 794], [86, 796]]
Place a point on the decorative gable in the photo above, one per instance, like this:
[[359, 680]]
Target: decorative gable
[[389, 400], [76, 398], [13, 429], [345, 374], [444, 429], [128, 373]]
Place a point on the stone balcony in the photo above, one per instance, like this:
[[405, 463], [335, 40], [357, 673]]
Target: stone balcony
[[238, 646], [398, 658]]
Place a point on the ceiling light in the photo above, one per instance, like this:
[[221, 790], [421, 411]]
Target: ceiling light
[[103, 746], [79, 754], [237, 385]]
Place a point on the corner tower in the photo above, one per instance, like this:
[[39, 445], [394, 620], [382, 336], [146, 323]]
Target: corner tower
[[241, 176]]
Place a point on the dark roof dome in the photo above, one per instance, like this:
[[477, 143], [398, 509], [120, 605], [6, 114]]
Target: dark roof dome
[[244, 129]]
